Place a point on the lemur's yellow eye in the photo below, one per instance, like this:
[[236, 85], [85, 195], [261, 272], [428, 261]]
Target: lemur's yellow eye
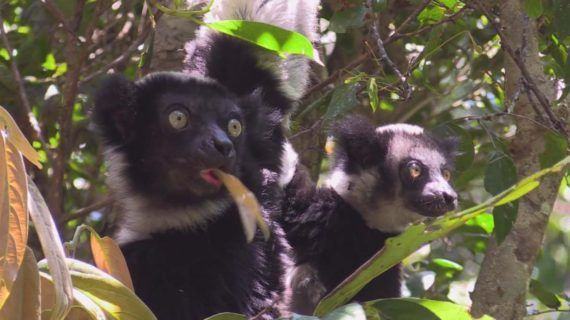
[[234, 128], [415, 170], [446, 174], [178, 119]]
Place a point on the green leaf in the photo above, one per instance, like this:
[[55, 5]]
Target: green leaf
[[347, 19], [353, 311], [447, 264], [4, 54], [533, 8], [555, 149], [500, 173], [545, 296], [503, 218], [373, 94], [401, 246], [107, 292], [227, 316], [49, 63], [413, 309], [270, 37], [450, 4], [431, 14], [343, 99]]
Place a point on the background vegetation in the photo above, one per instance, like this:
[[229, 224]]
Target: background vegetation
[[494, 74]]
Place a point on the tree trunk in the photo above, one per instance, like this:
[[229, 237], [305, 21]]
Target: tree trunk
[[502, 284]]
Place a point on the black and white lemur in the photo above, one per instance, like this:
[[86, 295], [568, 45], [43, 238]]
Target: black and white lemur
[[178, 228], [382, 179]]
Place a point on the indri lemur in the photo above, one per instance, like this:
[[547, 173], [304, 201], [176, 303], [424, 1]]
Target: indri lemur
[[382, 180], [178, 228]]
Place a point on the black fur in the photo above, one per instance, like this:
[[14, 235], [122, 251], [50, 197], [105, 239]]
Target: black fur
[[328, 231]]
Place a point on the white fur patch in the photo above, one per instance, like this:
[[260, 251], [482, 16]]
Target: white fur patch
[[387, 215], [401, 128], [289, 161], [296, 15], [139, 219]]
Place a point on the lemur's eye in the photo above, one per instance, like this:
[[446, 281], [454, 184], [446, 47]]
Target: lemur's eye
[[234, 128], [178, 119], [446, 174], [415, 170]]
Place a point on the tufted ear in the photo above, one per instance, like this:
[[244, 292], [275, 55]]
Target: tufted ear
[[450, 146], [356, 144], [114, 112]]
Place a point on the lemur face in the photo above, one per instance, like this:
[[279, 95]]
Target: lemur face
[[170, 131], [393, 175]]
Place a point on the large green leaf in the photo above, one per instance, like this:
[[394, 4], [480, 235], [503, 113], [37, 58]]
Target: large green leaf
[[270, 37], [343, 99], [413, 309], [401, 246], [107, 292], [227, 316]]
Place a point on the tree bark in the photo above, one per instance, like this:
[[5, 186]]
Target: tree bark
[[502, 284]]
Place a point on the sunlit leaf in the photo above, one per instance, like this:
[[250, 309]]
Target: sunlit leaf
[[53, 250], [49, 63], [24, 300], [108, 293], [248, 207], [13, 215], [413, 309], [270, 37], [83, 307], [109, 258], [401, 246], [17, 138], [373, 94]]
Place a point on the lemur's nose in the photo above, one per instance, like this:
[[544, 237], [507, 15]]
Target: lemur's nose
[[450, 199], [224, 146]]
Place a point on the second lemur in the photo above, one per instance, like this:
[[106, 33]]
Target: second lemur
[[382, 179]]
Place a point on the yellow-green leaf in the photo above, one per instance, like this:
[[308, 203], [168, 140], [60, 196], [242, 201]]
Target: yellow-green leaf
[[248, 207], [118, 301], [53, 250], [270, 37], [109, 258]]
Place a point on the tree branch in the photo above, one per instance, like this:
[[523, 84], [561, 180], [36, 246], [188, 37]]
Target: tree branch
[[516, 56]]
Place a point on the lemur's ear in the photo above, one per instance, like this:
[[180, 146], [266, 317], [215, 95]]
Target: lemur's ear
[[356, 143], [114, 112]]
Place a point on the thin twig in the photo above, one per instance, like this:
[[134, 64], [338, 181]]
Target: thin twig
[[123, 57], [83, 212], [412, 16], [60, 17], [542, 99], [383, 55]]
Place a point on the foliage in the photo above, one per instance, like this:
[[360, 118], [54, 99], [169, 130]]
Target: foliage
[[447, 51]]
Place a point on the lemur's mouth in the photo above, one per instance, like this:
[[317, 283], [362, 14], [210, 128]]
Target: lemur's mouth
[[210, 177]]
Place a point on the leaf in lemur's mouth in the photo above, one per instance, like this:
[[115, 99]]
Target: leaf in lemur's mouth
[[248, 207]]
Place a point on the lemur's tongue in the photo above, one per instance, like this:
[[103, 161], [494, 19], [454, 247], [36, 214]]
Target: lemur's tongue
[[210, 177]]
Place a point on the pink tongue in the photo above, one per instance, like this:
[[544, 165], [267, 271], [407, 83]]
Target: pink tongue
[[210, 177]]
